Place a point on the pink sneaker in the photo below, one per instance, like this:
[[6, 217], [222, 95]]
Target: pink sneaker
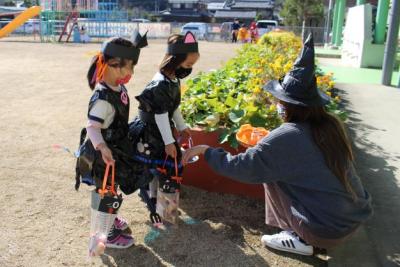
[[119, 240], [120, 223]]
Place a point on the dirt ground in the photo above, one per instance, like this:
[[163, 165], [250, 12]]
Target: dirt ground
[[44, 222]]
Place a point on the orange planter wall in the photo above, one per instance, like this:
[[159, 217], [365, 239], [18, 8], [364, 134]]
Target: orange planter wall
[[200, 175]]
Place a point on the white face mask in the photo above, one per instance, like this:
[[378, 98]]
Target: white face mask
[[281, 110]]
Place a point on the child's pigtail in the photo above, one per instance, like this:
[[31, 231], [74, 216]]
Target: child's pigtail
[[101, 67], [91, 74]]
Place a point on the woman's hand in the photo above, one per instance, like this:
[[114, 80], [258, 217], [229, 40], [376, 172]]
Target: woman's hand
[[192, 152], [106, 153], [185, 134], [170, 150]]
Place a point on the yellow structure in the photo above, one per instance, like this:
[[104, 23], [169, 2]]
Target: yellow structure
[[20, 20]]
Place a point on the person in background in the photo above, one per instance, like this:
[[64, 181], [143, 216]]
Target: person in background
[[254, 32], [235, 30], [243, 34]]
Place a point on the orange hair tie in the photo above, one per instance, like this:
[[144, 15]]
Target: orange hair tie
[[101, 67]]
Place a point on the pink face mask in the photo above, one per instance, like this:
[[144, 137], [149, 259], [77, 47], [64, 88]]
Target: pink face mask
[[124, 80]]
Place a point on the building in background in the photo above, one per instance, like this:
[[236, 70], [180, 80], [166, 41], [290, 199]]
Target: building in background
[[186, 11], [244, 10]]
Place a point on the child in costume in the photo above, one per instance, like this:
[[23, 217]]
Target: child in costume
[[159, 114], [254, 32], [107, 127], [243, 34]]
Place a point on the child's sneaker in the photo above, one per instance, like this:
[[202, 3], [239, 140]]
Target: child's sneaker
[[116, 239], [120, 223], [287, 241]]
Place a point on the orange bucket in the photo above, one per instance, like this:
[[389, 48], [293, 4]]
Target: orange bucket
[[249, 136]]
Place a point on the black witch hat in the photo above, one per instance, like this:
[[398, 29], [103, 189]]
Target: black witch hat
[[299, 86]]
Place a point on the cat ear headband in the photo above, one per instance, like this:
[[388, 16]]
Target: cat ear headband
[[132, 53], [116, 50], [189, 45]]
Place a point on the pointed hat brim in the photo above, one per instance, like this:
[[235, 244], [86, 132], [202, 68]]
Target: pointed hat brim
[[275, 88]]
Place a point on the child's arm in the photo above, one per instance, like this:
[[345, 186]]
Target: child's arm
[[100, 117], [179, 121], [181, 126], [164, 127], [93, 129]]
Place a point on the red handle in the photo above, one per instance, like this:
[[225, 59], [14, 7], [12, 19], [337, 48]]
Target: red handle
[[104, 190]]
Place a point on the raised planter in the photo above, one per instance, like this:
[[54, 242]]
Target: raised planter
[[200, 175]]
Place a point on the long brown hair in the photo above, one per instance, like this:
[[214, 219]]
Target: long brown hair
[[171, 62], [330, 136]]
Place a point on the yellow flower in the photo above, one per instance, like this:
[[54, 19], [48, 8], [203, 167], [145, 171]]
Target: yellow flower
[[257, 90], [183, 88], [272, 108], [287, 67], [329, 93], [337, 98], [331, 84]]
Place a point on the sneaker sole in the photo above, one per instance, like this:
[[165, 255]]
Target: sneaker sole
[[123, 228], [119, 246], [287, 250]]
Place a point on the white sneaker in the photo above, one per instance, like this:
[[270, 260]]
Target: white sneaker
[[287, 241]]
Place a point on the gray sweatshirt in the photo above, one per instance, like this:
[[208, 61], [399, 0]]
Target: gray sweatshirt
[[289, 157]]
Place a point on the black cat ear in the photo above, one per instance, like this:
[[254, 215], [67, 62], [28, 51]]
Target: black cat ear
[[140, 41]]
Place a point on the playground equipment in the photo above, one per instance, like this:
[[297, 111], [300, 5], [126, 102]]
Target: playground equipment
[[99, 18], [20, 20], [73, 18]]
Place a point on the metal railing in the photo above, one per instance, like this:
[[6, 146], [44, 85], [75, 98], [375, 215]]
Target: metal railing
[[50, 26]]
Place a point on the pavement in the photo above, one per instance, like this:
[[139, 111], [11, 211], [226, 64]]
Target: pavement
[[374, 126], [328, 52], [346, 74]]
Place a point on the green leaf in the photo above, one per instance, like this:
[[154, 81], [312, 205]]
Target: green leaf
[[213, 102], [231, 102], [224, 136], [236, 115], [257, 120], [212, 119], [250, 107], [232, 141]]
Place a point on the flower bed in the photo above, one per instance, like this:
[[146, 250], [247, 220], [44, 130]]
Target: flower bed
[[233, 95], [220, 101]]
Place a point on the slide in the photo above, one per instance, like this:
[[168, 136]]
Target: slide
[[20, 20]]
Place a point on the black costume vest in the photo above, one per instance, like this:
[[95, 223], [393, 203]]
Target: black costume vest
[[118, 129], [90, 167]]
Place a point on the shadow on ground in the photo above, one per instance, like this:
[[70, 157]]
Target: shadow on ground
[[225, 233], [378, 239]]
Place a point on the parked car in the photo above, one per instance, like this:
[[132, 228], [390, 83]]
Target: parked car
[[226, 31], [140, 20], [265, 26], [199, 29], [29, 27]]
